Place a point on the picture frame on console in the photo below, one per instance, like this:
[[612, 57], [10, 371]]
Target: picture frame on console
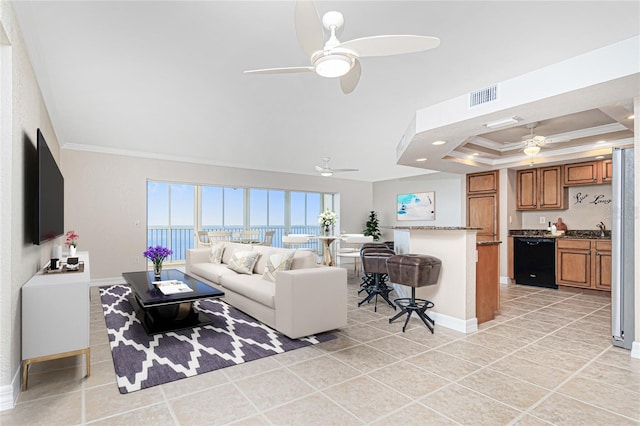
[[416, 206]]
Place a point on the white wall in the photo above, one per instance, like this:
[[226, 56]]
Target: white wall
[[105, 197], [587, 205], [449, 199], [27, 112]]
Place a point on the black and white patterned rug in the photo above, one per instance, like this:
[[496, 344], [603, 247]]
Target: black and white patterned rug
[[143, 360]]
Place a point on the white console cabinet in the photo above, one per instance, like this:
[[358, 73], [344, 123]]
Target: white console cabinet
[[55, 316]]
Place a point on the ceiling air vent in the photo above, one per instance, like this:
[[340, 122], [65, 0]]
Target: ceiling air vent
[[483, 96]]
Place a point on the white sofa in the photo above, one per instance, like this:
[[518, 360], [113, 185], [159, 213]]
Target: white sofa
[[305, 300]]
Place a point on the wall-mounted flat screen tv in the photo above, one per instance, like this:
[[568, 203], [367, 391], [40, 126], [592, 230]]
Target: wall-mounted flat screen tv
[[49, 214]]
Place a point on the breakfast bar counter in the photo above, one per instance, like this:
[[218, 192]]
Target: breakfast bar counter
[[455, 294]]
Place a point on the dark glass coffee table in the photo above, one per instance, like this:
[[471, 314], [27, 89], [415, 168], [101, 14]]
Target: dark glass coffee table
[[160, 313]]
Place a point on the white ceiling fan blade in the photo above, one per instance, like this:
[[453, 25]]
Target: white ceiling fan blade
[[318, 168], [349, 81], [287, 70], [386, 45], [345, 170], [308, 27]]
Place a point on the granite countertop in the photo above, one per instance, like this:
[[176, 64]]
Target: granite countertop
[[433, 228], [487, 243], [575, 234]]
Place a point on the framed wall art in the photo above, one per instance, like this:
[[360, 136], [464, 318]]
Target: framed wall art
[[417, 206]]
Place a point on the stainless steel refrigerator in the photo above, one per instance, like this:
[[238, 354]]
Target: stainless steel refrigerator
[[622, 233]]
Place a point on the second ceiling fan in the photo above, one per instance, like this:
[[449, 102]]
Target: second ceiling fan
[[325, 170], [336, 59]]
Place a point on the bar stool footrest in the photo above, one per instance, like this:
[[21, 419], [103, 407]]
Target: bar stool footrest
[[409, 305], [418, 303]]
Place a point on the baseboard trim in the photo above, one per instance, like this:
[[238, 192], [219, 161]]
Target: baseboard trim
[[9, 393], [635, 349], [457, 324], [442, 320], [505, 280]]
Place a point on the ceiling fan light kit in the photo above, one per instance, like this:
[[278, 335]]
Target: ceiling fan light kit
[[532, 150], [337, 59], [533, 142], [326, 171], [334, 65]]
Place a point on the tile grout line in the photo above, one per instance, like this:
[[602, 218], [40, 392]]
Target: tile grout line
[[553, 391], [571, 322], [514, 352], [571, 376], [321, 391], [169, 406]]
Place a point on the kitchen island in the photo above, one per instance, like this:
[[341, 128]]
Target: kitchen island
[[455, 294]]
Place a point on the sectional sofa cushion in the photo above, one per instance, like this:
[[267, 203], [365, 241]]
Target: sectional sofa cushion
[[265, 251], [208, 269], [231, 248], [304, 259], [216, 253], [252, 287], [277, 262], [243, 261]]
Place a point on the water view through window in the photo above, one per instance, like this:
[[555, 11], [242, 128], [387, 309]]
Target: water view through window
[[176, 211]]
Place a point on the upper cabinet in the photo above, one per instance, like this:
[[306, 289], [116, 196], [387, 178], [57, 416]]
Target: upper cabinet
[[546, 188], [479, 183], [540, 189], [588, 173], [552, 194], [607, 170], [527, 189]]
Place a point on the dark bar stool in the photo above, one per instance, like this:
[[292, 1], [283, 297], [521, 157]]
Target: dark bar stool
[[368, 278], [414, 270], [374, 265]]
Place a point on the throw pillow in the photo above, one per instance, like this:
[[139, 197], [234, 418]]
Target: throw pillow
[[243, 261], [216, 253], [277, 262]]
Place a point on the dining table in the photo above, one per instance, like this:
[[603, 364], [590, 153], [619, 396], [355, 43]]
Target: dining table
[[245, 240], [327, 240]]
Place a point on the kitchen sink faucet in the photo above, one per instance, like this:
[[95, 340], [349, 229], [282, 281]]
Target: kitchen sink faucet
[[601, 227]]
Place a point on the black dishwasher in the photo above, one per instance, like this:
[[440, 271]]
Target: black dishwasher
[[535, 261]]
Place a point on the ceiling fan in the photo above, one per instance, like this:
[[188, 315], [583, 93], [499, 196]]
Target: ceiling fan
[[532, 143], [325, 170], [336, 59]]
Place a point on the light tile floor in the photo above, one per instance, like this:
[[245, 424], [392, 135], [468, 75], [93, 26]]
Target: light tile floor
[[547, 359]]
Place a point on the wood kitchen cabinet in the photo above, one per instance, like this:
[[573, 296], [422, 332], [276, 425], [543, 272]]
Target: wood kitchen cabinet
[[607, 171], [573, 263], [527, 189], [584, 263], [588, 173], [540, 189], [482, 182], [487, 281], [482, 204], [551, 193], [482, 212], [602, 265]]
